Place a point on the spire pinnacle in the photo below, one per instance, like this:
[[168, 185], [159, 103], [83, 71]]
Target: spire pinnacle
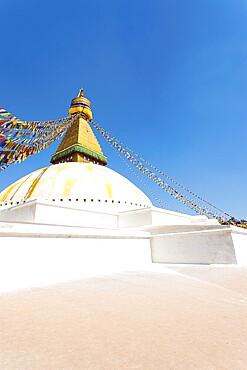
[[81, 93]]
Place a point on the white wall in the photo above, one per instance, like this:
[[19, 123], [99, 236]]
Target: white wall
[[155, 217], [23, 212], [135, 218], [240, 243], [51, 213], [203, 247]]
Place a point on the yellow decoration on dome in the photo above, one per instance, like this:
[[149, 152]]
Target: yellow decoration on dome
[[109, 190]]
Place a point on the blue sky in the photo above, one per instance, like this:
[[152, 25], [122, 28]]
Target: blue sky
[[167, 77]]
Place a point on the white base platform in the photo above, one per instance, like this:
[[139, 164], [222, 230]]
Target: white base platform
[[43, 243]]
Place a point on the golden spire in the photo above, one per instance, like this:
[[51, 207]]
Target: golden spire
[[79, 143]]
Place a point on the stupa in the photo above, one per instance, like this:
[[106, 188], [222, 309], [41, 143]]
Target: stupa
[[79, 176], [77, 213]]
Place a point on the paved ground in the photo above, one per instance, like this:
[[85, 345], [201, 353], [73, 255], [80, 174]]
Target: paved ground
[[174, 317]]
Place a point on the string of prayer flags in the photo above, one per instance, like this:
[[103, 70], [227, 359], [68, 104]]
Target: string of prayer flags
[[20, 139], [153, 173]]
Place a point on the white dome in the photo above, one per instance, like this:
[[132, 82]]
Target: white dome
[[89, 184]]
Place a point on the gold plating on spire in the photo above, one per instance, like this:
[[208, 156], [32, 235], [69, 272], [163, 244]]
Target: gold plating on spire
[[79, 143]]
